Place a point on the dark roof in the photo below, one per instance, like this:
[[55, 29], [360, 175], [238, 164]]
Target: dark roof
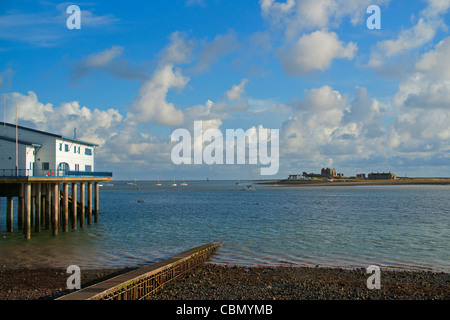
[[20, 141], [49, 134]]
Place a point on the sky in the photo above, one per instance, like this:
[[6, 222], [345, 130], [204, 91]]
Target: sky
[[340, 94]]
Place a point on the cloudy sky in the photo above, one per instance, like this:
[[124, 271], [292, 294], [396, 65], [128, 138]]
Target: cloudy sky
[[340, 94]]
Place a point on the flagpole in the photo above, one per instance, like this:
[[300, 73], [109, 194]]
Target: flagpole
[[17, 147]]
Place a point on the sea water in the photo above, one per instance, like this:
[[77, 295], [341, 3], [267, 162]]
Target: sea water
[[347, 226]]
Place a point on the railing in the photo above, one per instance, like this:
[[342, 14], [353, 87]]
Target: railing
[[13, 173], [142, 288], [140, 284]]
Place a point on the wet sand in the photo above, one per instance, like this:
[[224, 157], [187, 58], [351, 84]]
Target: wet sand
[[217, 282]]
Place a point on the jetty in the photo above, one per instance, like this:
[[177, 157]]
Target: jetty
[[45, 202], [141, 283]]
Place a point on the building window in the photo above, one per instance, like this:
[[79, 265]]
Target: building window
[[88, 152], [63, 166], [78, 150], [45, 166], [77, 167], [67, 147], [88, 168], [60, 147], [74, 149]]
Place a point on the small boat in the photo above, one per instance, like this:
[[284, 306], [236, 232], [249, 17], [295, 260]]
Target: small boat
[[174, 184], [158, 183], [183, 184], [140, 200], [249, 187]]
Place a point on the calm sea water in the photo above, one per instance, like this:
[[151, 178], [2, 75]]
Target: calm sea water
[[390, 226]]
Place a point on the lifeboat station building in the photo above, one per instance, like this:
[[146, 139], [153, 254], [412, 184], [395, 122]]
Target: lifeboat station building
[[37, 167]]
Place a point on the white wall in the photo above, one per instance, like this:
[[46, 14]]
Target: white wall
[[49, 152], [8, 150], [74, 158]]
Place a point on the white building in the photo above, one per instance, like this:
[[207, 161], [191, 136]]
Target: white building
[[42, 153]]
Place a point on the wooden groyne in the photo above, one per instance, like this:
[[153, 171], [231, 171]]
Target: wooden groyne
[[141, 283]]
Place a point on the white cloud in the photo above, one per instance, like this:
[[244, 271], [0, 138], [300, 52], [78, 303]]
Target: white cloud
[[151, 104], [436, 7], [297, 16], [326, 128], [422, 102], [213, 51], [316, 51], [423, 32], [178, 51], [43, 27], [236, 91], [109, 61], [92, 124]]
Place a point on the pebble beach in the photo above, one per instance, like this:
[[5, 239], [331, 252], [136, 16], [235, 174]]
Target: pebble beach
[[220, 282]]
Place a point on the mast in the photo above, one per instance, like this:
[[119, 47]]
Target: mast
[[4, 112]]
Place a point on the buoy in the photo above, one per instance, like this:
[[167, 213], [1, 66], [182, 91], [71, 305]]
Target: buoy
[[50, 173]]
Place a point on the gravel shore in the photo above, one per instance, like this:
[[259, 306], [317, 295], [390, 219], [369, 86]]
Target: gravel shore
[[45, 284], [217, 282], [211, 282]]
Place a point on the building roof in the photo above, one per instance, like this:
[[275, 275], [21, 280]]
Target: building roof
[[20, 141], [49, 134]]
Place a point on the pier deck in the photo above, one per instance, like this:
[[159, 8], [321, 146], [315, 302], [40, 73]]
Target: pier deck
[[44, 202]]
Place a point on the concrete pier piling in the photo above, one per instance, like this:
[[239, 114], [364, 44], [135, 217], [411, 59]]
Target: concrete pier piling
[[45, 202]]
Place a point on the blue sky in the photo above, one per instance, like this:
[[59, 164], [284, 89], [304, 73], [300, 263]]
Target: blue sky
[[342, 95]]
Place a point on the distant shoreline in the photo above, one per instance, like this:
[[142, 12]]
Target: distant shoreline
[[349, 182]]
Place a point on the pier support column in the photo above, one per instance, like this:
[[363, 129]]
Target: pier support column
[[89, 203], [96, 202], [74, 205], [65, 216], [33, 204], [20, 209], [37, 210], [48, 206], [82, 203], [9, 214], [55, 203], [27, 216]]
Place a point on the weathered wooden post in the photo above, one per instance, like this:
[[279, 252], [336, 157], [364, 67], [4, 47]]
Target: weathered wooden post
[[96, 202], [82, 203], [48, 205], [55, 202], [89, 203], [74, 205], [21, 205], [27, 222], [37, 218], [65, 216], [33, 204], [9, 214]]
